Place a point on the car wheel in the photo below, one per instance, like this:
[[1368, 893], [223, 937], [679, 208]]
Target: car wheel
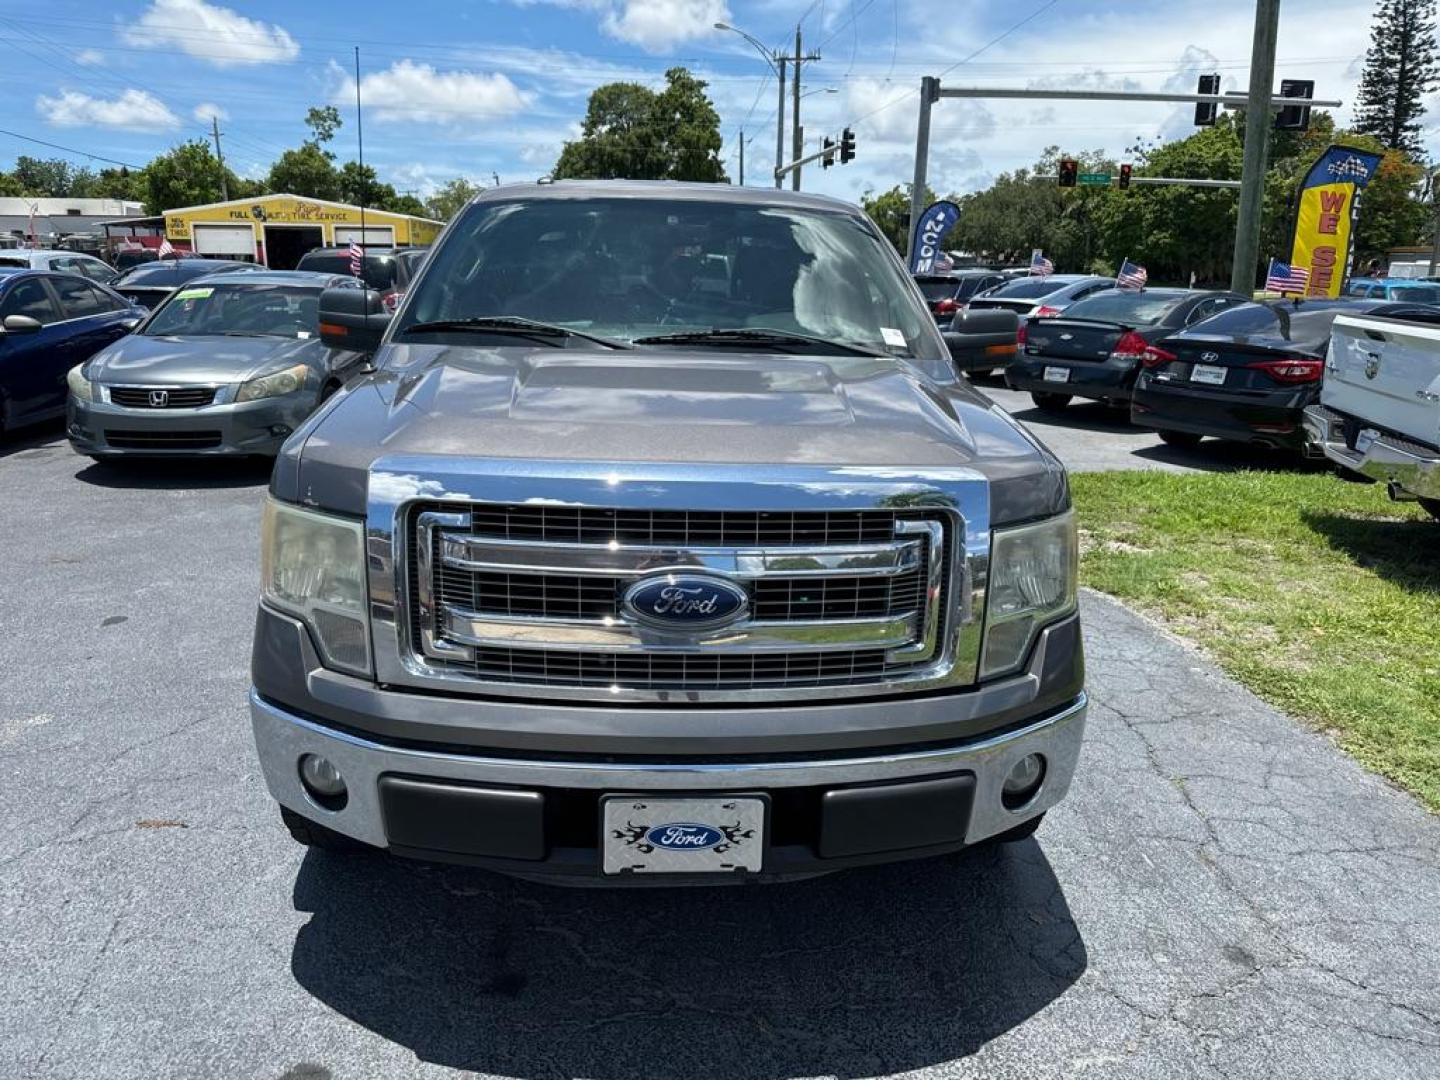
[[307, 833], [1050, 403], [1431, 507], [1184, 439]]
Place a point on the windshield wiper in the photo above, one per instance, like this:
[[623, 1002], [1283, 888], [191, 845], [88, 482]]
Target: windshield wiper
[[746, 335], [512, 324]]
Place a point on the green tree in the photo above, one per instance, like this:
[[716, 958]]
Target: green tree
[[43, 177], [307, 170], [185, 175], [890, 210], [450, 198], [323, 121], [1400, 69], [632, 132], [405, 203], [9, 186], [118, 183]]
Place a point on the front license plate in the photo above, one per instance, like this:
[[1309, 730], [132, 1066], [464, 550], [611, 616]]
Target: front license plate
[[715, 835], [1208, 374], [1366, 439], [1057, 374]]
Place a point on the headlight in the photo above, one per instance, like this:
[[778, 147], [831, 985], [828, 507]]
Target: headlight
[[313, 565], [81, 387], [274, 384], [1032, 582]]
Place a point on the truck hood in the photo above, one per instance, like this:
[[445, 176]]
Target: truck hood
[[207, 359], [661, 406]]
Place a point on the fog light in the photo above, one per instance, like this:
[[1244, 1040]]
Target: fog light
[[323, 781], [1025, 778]]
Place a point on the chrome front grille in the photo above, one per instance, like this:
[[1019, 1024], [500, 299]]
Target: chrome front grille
[[532, 595], [162, 397]]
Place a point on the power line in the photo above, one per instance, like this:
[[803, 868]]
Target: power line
[[70, 150]]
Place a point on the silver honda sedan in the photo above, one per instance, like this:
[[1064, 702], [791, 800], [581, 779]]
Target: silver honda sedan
[[230, 364]]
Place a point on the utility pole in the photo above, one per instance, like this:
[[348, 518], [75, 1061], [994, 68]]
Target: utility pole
[[742, 157], [215, 132], [929, 94], [797, 134], [780, 119], [1257, 133]]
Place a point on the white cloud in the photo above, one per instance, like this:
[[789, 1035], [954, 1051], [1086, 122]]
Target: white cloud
[[133, 110], [206, 110], [90, 57], [211, 33], [410, 91], [657, 25]]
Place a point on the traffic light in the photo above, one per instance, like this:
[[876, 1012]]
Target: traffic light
[[828, 146], [1206, 111], [1295, 117], [1069, 170], [847, 146], [1124, 177]]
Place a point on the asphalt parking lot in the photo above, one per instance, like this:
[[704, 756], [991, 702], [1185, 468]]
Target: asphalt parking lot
[[1224, 894]]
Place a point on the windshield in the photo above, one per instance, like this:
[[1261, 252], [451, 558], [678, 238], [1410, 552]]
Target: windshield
[[632, 268], [260, 310], [937, 288], [1310, 323], [1029, 288], [1130, 308], [379, 273], [1416, 294]]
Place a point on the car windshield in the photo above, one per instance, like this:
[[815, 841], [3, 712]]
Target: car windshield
[[14, 260], [379, 273], [628, 268], [247, 310], [1029, 288], [1129, 308], [1310, 323], [1416, 294], [936, 288]]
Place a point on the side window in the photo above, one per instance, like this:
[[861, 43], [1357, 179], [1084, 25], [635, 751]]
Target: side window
[[78, 297], [65, 264], [1206, 308], [108, 301], [96, 270], [29, 298]]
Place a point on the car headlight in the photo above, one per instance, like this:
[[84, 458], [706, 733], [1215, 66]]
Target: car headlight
[[1032, 582], [82, 388], [313, 566], [274, 384]]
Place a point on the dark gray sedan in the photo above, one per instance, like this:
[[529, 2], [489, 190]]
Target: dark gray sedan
[[230, 364]]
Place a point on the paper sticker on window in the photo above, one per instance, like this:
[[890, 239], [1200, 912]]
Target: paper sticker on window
[[893, 337], [193, 294]]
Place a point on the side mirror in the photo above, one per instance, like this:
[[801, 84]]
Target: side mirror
[[21, 324], [352, 319], [982, 340]]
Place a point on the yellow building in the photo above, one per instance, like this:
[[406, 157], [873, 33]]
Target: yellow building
[[275, 230]]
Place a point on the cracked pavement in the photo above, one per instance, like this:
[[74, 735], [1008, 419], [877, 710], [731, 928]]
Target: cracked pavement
[[1223, 895]]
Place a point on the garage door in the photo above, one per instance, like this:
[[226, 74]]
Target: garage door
[[224, 239], [372, 236]]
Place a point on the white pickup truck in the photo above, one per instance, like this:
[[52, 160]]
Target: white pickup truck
[[1379, 410]]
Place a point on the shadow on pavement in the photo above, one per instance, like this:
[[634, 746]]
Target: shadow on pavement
[[41, 440], [153, 473], [863, 973], [1405, 552], [1091, 416]]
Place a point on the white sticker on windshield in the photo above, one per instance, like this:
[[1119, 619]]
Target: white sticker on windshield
[[302, 333], [893, 337]]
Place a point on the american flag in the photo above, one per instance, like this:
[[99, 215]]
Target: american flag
[[164, 251], [1131, 275], [357, 258], [1284, 278], [1039, 265]]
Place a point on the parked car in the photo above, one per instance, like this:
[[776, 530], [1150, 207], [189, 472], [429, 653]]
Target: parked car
[[150, 283], [1042, 296], [1093, 350], [591, 523], [49, 322], [1379, 411], [64, 262], [229, 365], [1404, 290], [948, 293], [125, 258], [1246, 375], [388, 270]]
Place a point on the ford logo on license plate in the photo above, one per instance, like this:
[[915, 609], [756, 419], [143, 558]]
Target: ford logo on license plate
[[685, 601], [684, 836]]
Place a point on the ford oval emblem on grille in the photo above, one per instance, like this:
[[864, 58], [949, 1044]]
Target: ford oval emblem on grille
[[683, 836], [685, 601]]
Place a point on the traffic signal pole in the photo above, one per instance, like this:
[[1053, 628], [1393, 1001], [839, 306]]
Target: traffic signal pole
[[929, 94], [1257, 134]]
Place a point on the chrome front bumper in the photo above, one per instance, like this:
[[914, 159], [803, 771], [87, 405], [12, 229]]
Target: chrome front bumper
[[282, 737], [1407, 468]]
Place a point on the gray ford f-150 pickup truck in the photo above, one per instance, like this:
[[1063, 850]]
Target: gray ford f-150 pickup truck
[[663, 544]]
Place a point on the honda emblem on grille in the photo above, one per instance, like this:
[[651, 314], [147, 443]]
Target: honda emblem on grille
[[1209, 357], [159, 398], [685, 601]]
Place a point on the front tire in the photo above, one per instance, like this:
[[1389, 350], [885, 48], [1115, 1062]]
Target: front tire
[[1183, 439], [1054, 404], [309, 834]]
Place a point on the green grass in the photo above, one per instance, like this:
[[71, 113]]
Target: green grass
[[1322, 597]]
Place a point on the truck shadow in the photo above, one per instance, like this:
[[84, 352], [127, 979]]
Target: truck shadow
[[864, 973], [1405, 552], [177, 473]]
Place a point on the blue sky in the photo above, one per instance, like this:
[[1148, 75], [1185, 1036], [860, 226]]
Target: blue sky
[[496, 86]]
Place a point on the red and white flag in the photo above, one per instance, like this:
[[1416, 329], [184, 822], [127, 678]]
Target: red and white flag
[[357, 258], [165, 251]]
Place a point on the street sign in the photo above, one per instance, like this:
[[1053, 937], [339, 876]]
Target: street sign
[[1098, 179]]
